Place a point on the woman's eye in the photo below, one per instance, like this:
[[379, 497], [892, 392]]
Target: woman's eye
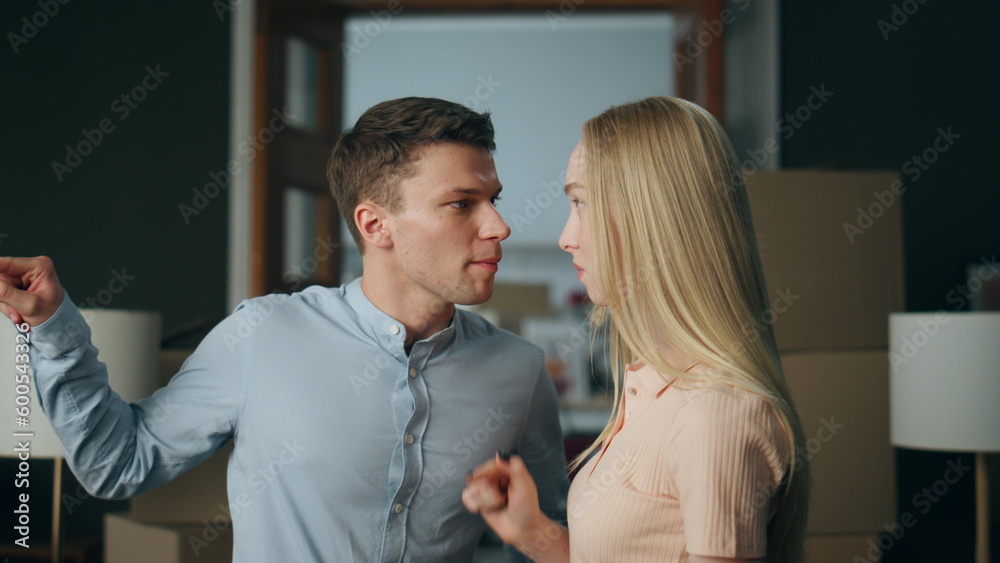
[[577, 204]]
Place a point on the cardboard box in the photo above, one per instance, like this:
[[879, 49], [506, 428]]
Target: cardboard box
[[842, 548], [128, 541], [171, 362], [197, 495], [832, 247], [843, 401], [512, 302]]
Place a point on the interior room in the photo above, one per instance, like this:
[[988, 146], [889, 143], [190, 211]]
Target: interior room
[[172, 159]]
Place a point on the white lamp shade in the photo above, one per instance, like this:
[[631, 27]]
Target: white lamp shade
[[945, 380], [127, 341]]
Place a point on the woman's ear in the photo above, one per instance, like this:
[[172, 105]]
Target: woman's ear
[[371, 221]]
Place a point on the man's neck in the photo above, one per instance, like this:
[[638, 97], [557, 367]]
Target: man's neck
[[422, 314]]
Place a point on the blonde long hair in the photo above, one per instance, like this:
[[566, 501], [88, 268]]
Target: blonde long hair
[[671, 226]]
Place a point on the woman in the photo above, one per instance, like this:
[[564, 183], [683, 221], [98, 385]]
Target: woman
[[698, 462]]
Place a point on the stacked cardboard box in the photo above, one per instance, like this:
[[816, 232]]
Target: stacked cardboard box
[[833, 255], [129, 540], [183, 521]]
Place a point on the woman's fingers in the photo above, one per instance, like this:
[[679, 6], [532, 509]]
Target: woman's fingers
[[480, 496]]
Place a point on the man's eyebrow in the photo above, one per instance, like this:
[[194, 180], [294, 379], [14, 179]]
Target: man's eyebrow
[[471, 191], [571, 186]]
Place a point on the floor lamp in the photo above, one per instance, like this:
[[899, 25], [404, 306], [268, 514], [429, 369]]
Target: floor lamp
[[129, 343], [944, 388]]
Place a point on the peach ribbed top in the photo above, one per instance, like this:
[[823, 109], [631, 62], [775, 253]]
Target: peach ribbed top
[[691, 468]]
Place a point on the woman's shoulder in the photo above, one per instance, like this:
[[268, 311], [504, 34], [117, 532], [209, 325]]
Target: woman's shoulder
[[714, 390], [712, 407]]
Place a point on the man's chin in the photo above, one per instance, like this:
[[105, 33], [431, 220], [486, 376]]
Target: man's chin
[[477, 296]]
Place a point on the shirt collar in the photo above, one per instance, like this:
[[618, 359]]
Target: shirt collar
[[651, 379], [389, 332]]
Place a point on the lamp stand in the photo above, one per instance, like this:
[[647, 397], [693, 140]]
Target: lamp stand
[[982, 508], [57, 512]]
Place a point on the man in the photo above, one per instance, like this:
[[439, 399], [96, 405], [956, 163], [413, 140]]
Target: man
[[355, 411]]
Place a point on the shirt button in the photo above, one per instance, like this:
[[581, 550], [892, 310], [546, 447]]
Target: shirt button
[[394, 329], [631, 390], [413, 372], [409, 438], [398, 508]]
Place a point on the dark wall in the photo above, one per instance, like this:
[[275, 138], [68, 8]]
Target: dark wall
[[893, 89], [115, 214], [114, 218]]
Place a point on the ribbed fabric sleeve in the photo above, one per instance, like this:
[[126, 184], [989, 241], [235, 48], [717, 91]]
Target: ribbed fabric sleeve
[[728, 471]]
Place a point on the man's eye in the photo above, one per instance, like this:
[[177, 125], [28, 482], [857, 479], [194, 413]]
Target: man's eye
[[494, 200], [460, 204]]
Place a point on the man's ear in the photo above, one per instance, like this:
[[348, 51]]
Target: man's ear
[[370, 219]]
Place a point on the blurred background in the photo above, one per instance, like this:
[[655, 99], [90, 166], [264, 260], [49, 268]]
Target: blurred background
[[171, 158]]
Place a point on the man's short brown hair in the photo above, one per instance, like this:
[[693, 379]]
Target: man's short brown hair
[[369, 160]]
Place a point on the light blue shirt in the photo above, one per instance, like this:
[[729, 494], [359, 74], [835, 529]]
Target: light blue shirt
[[346, 448]]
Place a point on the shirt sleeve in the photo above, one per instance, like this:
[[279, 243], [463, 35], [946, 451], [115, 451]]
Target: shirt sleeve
[[541, 447], [728, 455], [117, 449]]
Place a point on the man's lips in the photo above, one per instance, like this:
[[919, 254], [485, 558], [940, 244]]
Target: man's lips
[[491, 264]]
